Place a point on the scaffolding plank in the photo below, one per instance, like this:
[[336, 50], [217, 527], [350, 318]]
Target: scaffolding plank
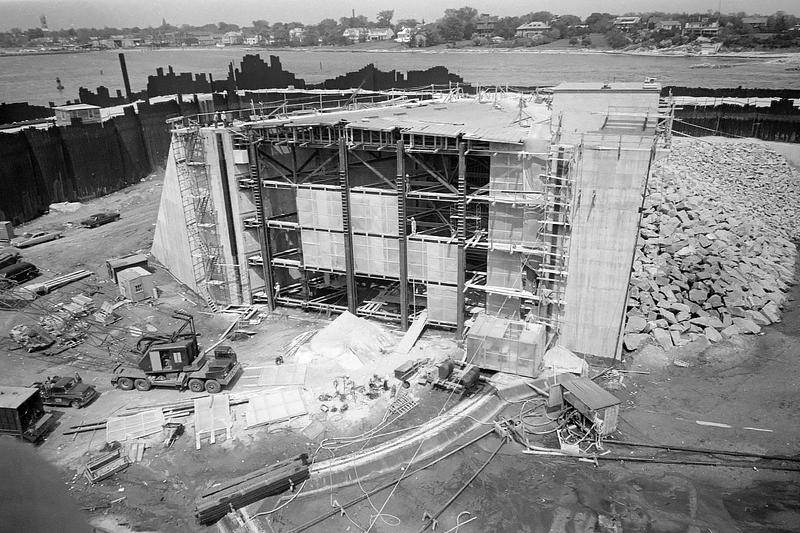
[[274, 376], [413, 333], [274, 406], [122, 428], [212, 414]]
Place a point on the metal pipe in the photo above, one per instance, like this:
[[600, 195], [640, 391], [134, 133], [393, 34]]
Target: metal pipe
[[705, 450], [432, 519], [337, 510]]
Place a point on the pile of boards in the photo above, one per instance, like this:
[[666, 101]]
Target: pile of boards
[[250, 488]]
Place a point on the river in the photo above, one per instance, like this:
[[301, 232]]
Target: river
[[32, 78]]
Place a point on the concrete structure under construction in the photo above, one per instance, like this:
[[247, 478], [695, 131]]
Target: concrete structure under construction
[[460, 209]]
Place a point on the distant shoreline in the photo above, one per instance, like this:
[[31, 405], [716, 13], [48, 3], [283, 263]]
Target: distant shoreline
[[432, 51]]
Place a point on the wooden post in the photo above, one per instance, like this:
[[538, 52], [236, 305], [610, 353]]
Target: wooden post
[[401, 227]]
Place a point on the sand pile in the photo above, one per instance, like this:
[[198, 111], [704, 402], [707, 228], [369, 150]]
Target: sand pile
[[715, 257], [348, 333]]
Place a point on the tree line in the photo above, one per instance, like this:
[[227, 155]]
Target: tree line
[[454, 26]]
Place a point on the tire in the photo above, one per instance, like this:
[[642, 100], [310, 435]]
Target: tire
[[213, 386], [142, 384], [75, 404], [196, 385], [125, 383]]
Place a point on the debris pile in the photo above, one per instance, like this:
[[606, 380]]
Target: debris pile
[[715, 254]]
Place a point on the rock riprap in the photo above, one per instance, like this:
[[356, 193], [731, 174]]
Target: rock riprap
[[715, 255]]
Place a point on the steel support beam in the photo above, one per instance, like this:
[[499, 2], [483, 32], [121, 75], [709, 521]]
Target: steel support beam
[[400, 186], [373, 170], [263, 230], [461, 257], [438, 178], [350, 266]]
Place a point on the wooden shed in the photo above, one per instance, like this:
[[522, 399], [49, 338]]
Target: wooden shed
[[135, 284]]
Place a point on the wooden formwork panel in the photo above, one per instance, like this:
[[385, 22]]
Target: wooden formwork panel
[[273, 376], [274, 406], [122, 428], [212, 414]]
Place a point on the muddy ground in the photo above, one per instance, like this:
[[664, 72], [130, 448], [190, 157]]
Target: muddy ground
[[745, 382]]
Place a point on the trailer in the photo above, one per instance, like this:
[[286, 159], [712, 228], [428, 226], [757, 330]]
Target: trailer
[[22, 413]]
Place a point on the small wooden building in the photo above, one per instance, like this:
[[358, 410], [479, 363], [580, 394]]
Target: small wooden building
[[600, 407], [87, 114], [135, 283], [118, 264]]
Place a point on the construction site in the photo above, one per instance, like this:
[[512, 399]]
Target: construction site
[[473, 310], [495, 214]]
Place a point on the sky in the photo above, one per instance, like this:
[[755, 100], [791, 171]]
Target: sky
[[128, 13]]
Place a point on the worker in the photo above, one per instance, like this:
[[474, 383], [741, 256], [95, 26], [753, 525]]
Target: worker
[[413, 226], [277, 289], [77, 377]]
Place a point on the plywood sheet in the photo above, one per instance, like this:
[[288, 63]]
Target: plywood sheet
[[322, 249], [274, 406], [319, 208], [273, 376], [122, 428], [379, 256], [442, 301], [373, 213]]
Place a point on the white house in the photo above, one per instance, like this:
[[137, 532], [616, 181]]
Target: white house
[[233, 37], [380, 34], [254, 40], [297, 34], [532, 29], [405, 35], [627, 23], [669, 25], [355, 34]]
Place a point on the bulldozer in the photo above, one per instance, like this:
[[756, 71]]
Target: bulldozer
[[175, 361]]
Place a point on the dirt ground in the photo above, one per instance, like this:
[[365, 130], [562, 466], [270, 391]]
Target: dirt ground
[[748, 386]]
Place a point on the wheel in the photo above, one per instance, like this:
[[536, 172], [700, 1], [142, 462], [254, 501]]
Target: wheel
[[75, 404], [125, 383], [196, 385], [212, 386], [142, 384]]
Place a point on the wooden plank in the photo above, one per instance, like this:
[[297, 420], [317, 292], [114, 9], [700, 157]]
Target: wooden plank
[[413, 333]]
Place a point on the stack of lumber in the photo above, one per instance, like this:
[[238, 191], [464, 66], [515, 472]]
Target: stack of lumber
[[715, 254], [50, 285], [250, 488]]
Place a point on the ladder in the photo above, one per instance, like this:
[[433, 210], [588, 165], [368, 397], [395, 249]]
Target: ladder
[[555, 231], [194, 202]]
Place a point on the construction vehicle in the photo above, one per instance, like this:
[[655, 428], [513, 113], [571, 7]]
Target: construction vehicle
[[175, 361]]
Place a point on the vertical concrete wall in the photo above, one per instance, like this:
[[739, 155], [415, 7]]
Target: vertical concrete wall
[[605, 221], [171, 241]]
